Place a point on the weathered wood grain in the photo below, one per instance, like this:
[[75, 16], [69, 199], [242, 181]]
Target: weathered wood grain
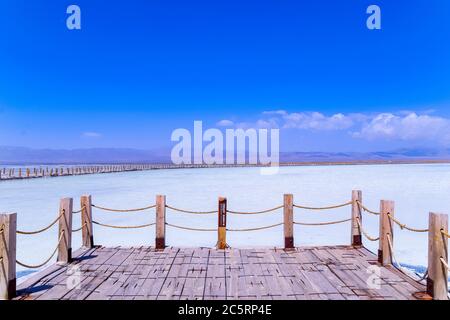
[[328, 272]]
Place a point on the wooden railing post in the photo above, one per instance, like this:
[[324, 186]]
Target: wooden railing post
[[8, 228], [437, 285], [222, 225], [160, 241], [356, 239], [65, 230], [86, 222], [288, 211], [386, 232]]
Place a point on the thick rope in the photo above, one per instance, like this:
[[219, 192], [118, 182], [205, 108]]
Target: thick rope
[[46, 261], [404, 226], [394, 259], [324, 208], [123, 227], [445, 233], [79, 211], [124, 210], [80, 228], [444, 263], [189, 228], [1, 234], [189, 211], [321, 223], [367, 209], [257, 228], [365, 233], [256, 212], [43, 229]]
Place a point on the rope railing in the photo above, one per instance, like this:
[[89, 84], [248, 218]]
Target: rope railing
[[123, 227], [370, 238], [444, 263], [387, 220], [256, 212], [80, 228], [29, 266], [190, 211], [124, 210], [321, 223], [367, 209], [395, 262], [43, 229], [79, 211], [191, 228], [324, 208], [256, 229], [398, 266], [404, 226]]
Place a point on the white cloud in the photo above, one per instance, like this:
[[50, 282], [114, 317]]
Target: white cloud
[[275, 113], [225, 123], [408, 126], [401, 126], [91, 134], [312, 120]]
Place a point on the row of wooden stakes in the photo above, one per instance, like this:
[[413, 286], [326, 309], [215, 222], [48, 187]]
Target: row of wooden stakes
[[437, 284], [43, 172]]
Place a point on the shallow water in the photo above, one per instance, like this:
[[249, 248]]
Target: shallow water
[[417, 189]]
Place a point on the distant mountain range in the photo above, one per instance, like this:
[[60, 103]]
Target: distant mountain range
[[22, 155]]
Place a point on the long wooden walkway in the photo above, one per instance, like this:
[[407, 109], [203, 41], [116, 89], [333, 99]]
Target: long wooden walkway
[[329, 272]]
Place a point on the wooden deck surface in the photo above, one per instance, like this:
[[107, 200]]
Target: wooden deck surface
[[337, 272]]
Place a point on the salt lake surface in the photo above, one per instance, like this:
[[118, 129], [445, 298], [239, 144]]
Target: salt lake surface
[[416, 189]]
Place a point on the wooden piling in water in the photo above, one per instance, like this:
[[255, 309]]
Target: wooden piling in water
[[8, 228], [65, 231], [356, 239], [160, 238], [222, 224], [86, 222], [386, 232], [288, 214], [437, 280]]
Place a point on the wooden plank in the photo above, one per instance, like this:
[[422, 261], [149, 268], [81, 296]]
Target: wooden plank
[[215, 286], [152, 286], [329, 272], [234, 272], [194, 286]]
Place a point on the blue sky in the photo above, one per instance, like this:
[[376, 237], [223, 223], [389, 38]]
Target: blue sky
[[139, 69]]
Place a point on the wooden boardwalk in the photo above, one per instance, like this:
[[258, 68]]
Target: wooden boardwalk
[[328, 272]]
